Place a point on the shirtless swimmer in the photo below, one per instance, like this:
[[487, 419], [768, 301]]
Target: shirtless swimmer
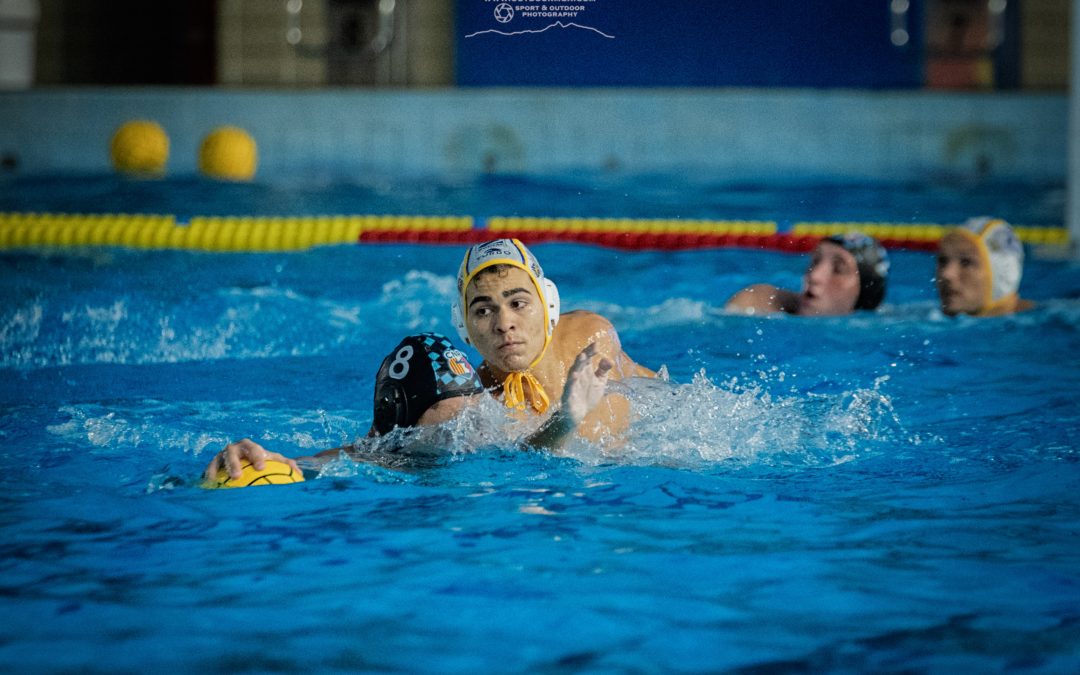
[[509, 311], [847, 272], [422, 383]]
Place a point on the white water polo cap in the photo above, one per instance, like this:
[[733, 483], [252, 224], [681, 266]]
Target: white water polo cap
[[505, 252], [1001, 253]]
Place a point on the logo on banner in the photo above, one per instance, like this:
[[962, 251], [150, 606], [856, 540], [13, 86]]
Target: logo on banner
[[564, 16], [504, 12]]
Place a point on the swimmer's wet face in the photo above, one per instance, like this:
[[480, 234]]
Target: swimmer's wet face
[[831, 283], [960, 276], [505, 318]]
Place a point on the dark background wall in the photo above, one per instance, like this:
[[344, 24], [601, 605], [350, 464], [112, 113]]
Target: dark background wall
[[128, 42], [771, 43], [941, 44]]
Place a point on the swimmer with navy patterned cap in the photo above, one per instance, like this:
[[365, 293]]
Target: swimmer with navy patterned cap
[[424, 380], [847, 272]]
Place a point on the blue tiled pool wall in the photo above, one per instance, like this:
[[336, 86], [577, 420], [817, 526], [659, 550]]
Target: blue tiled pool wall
[[725, 133]]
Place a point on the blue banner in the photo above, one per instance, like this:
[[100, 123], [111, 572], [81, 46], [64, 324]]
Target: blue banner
[[688, 43]]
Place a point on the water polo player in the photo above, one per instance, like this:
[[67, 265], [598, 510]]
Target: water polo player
[[847, 272], [424, 381], [510, 312], [979, 267]]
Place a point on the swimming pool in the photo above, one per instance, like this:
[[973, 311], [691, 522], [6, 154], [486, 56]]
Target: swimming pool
[[878, 492]]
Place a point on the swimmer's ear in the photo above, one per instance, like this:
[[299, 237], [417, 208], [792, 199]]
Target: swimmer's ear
[[551, 297], [457, 317]]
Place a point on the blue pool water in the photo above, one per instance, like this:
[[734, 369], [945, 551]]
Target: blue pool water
[[886, 492], [580, 194]]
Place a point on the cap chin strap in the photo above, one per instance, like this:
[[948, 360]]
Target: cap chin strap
[[521, 390], [516, 395], [1002, 305]]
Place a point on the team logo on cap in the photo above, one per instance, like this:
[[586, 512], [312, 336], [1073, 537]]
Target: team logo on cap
[[457, 362], [500, 248], [501, 245]]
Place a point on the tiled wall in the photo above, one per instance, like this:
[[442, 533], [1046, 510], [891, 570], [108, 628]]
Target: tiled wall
[[1044, 44], [734, 133], [254, 45], [252, 49]]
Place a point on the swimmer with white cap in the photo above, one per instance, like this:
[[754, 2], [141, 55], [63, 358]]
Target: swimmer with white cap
[[510, 312], [847, 272], [979, 267]]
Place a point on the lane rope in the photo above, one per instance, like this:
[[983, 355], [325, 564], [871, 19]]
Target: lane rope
[[297, 233]]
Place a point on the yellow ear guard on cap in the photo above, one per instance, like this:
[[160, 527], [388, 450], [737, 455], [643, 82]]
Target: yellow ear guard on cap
[[510, 252], [1000, 252]]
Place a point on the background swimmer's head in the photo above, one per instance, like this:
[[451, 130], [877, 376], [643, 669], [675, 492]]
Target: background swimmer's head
[[491, 256], [846, 272], [979, 267], [420, 382], [873, 264]]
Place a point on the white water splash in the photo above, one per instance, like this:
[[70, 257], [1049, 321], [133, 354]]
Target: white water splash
[[689, 425], [670, 312], [701, 421], [113, 430], [18, 333], [420, 301]]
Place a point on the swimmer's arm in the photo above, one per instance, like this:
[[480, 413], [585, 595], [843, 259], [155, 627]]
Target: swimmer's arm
[[424, 439], [611, 416], [583, 392], [763, 299], [234, 453]]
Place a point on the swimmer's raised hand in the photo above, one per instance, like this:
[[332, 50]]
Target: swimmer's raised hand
[[585, 386], [233, 455], [584, 389]]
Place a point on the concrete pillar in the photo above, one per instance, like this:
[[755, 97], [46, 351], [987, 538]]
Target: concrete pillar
[[1072, 202], [18, 24]]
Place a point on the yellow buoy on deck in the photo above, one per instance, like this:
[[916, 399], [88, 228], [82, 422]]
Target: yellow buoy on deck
[[140, 147], [228, 153]]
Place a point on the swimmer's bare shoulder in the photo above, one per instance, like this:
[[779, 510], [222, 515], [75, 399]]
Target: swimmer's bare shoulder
[[575, 331], [763, 299], [578, 329]]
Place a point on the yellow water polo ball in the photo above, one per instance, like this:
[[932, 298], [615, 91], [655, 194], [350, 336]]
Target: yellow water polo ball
[[139, 147], [273, 473], [228, 153]]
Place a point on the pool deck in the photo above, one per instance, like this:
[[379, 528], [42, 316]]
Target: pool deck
[[745, 134]]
